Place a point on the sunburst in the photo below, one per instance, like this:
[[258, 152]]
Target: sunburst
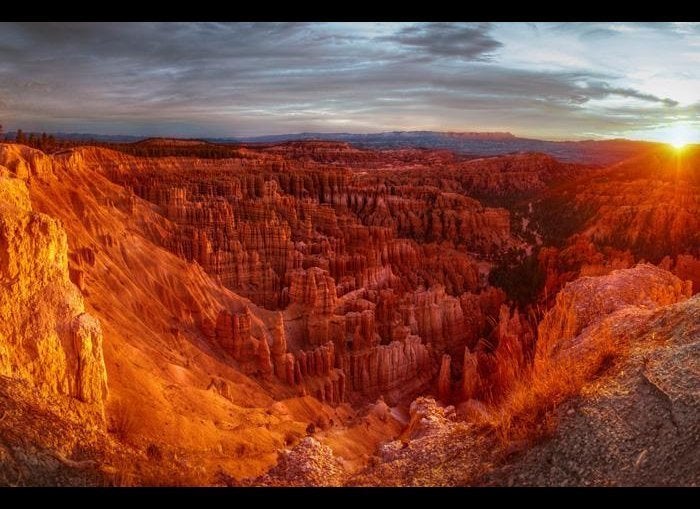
[[679, 145], [680, 136]]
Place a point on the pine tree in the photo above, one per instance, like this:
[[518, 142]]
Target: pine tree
[[21, 138]]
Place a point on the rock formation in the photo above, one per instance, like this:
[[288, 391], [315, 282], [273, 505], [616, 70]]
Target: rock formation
[[46, 337], [444, 385], [585, 300], [283, 290], [645, 209], [379, 273], [309, 464], [652, 383]]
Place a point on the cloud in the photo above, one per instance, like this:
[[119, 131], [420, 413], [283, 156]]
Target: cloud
[[599, 33], [459, 40], [629, 92], [224, 79]]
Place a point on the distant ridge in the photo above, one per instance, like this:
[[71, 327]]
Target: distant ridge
[[371, 137], [597, 152], [600, 152]]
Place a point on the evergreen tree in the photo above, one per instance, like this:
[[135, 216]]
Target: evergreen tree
[[21, 138]]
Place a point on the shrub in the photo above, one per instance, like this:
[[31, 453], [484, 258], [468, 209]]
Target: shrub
[[122, 421], [154, 453]]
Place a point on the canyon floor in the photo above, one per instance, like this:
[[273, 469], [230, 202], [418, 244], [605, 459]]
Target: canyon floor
[[317, 314]]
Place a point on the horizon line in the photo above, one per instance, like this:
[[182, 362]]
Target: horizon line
[[234, 138]]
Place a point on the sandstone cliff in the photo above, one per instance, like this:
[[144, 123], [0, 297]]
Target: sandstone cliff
[[46, 337], [173, 388], [381, 273], [584, 301]]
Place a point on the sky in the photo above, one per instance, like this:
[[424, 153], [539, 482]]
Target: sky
[[540, 80]]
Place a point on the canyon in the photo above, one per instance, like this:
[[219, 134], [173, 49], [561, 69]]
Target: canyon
[[320, 313]]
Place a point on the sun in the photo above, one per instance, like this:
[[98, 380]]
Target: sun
[[679, 145], [679, 136]]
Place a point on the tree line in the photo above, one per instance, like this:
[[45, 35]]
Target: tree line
[[202, 151], [49, 143], [44, 142]]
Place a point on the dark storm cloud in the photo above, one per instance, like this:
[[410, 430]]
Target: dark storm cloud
[[224, 79], [459, 40]]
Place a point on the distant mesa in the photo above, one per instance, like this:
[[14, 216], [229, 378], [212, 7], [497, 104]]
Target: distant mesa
[[170, 142], [472, 144], [481, 135]]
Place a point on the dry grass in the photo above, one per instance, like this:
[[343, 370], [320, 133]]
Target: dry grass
[[525, 410], [180, 474], [122, 421], [120, 473], [499, 370]]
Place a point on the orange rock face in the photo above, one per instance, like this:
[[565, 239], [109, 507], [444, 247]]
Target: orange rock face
[[645, 209], [231, 304], [654, 193], [46, 337], [585, 300], [91, 297], [385, 277]]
